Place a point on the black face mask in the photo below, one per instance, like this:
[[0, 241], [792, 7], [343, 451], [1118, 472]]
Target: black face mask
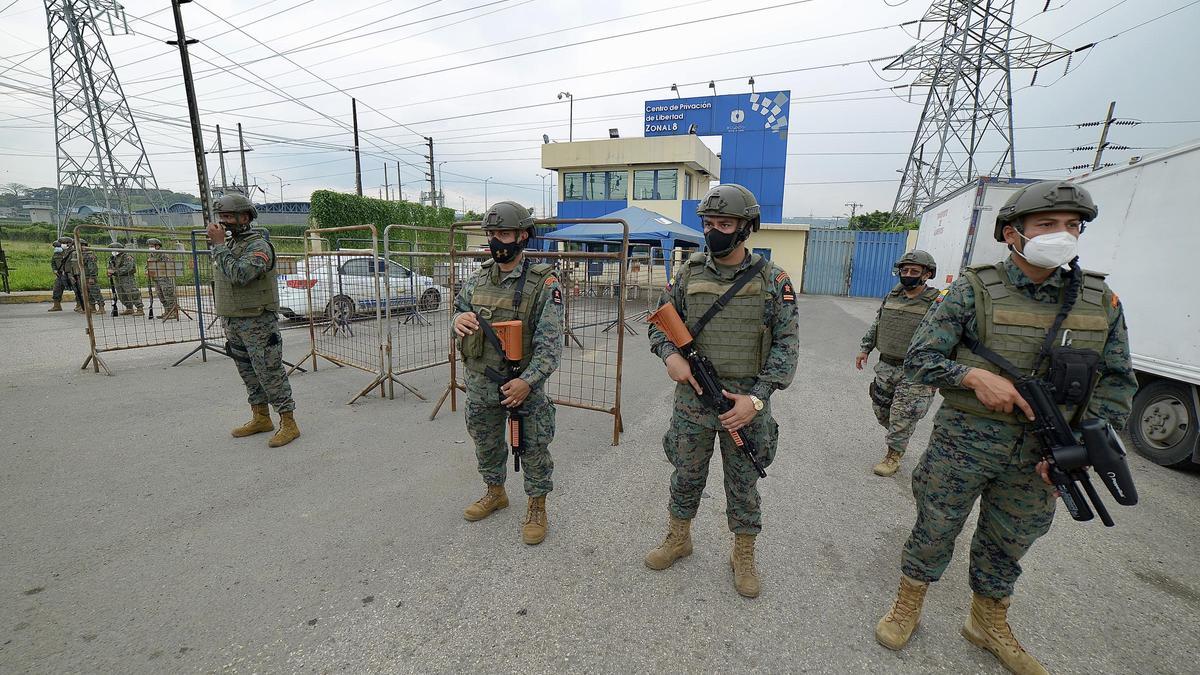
[[721, 244], [910, 282], [502, 252]]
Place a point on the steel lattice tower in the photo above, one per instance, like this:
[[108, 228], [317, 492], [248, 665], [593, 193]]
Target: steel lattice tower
[[967, 67], [98, 146]]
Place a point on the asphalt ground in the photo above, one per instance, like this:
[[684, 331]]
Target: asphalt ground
[[137, 536]]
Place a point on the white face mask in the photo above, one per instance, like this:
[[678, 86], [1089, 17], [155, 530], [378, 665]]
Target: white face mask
[[1049, 251]]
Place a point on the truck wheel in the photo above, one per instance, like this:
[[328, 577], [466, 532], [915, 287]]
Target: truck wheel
[[1163, 424], [430, 300]]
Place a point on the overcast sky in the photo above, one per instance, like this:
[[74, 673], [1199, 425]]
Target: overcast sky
[[850, 133]]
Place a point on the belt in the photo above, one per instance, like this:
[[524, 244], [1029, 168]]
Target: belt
[[891, 360]]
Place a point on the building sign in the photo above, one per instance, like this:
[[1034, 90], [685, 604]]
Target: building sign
[[753, 130]]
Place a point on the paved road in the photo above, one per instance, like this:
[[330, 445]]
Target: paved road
[[137, 536]]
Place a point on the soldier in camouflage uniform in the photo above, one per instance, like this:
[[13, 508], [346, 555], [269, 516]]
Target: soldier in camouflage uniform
[[247, 298], [899, 403], [122, 269], [62, 276], [160, 268], [508, 287], [981, 447], [753, 345], [91, 270]]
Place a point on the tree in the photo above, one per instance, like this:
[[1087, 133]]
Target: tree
[[14, 189], [885, 221]]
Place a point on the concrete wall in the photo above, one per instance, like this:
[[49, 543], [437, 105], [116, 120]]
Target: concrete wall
[[787, 243], [663, 150]]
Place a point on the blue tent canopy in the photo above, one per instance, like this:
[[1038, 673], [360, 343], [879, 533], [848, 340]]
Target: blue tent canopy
[[644, 227]]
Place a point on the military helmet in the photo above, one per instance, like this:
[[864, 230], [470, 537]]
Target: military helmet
[[508, 216], [65, 240], [1042, 197], [153, 241], [235, 203], [116, 244], [731, 200], [917, 257]]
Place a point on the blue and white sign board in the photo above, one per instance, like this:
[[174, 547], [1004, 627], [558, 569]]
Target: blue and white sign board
[[753, 130]]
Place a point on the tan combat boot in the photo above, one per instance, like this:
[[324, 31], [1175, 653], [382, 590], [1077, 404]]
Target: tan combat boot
[[493, 500], [288, 431], [745, 574], [987, 627], [897, 626], [678, 544], [56, 307], [890, 464], [534, 529], [128, 311], [259, 422], [139, 312], [79, 309]]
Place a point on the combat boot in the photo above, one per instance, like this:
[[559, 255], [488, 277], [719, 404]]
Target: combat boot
[[493, 500], [896, 627], [890, 464], [139, 312], [745, 574], [128, 311], [534, 529], [259, 422], [987, 627], [56, 307], [79, 309], [288, 431], [678, 544]]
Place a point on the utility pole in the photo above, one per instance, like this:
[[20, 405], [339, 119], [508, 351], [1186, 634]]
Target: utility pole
[[221, 160], [387, 191], [1108, 120], [431, 174], [242, 152], [357, 162], [399, 185], [853, 210], [182, 41]]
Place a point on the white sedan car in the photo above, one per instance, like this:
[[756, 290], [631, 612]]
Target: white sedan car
[[344, 285]]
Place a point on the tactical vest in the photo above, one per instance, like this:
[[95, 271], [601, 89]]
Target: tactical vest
[[736, 340], [258, 296], [1014, 326], [91, 267], [56, 261], [898, 320], [495, 303]]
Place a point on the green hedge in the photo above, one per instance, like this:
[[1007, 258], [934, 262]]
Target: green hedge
[[336, 209]]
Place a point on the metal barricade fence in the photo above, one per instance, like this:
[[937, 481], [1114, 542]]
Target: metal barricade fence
[[170, 289], [594, 291], [339, 291], [419, 303]]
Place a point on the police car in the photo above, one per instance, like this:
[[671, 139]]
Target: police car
[[342, 286]]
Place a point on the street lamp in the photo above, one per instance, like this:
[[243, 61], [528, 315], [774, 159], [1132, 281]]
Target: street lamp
[[571, 118], [712, 85], [485, 199], [280, 188], [675, 88], [441, 187], [464, 205]]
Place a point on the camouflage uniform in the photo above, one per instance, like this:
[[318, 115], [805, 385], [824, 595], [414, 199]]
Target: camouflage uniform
[[163, 278], [62, 276], [973, 456], [899, 403], [485, 416], [689, 441], [91, 272], [123, 269], [247, 260]]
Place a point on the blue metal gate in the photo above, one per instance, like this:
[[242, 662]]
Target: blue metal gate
[[874, 255], [827, 262]]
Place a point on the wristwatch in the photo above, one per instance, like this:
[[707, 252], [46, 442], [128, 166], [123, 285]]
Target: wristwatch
[[758, 403]]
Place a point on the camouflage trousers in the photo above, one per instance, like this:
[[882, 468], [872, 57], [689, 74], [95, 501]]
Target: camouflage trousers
[[689, 447], [899, 403], [62, 283], [257, 351], [486, 423], [128, 292], [95, 295], [165, 287], [971, 457]]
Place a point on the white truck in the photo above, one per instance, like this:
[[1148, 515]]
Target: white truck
[[1146, 238]]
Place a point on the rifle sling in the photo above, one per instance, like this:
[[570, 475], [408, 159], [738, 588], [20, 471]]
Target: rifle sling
[[739, 281]]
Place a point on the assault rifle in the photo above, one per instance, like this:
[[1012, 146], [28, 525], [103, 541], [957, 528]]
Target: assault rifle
[[505, 338], [112, 285], [150, 291], [1069, 457], [667, 319]]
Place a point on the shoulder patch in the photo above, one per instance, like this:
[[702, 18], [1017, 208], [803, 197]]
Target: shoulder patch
[[787, 292], [262, 255], [942, 295], [556, 297], [782, 276]]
